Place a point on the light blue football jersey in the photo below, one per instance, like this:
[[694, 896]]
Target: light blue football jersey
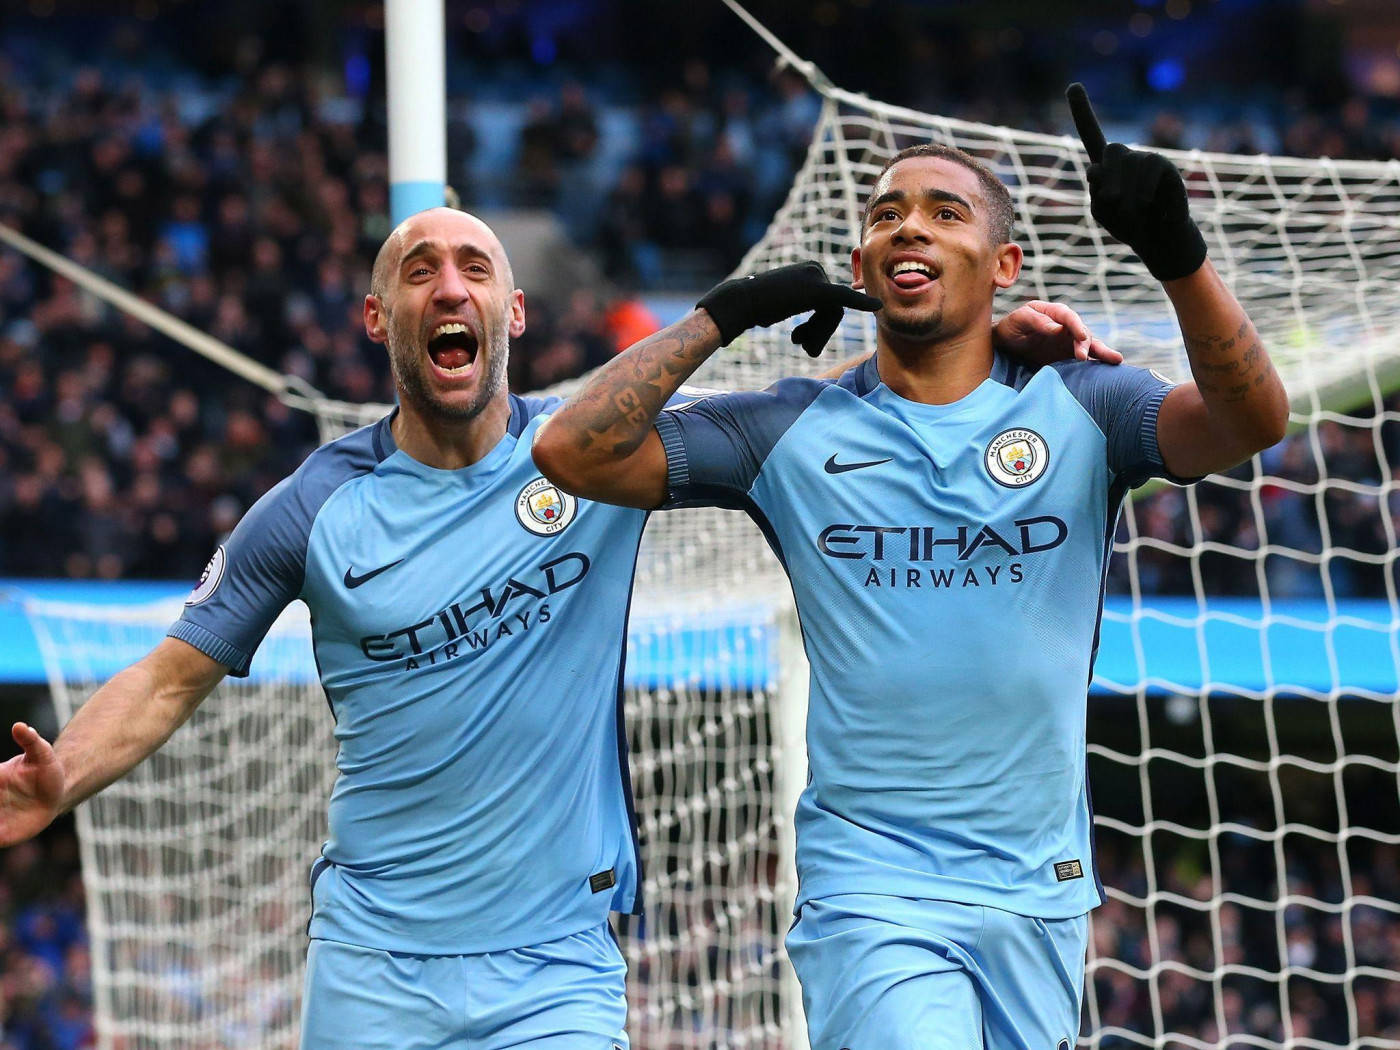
[[469, 628], [948, 565]]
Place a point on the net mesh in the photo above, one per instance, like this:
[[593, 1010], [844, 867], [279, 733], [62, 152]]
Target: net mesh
[[196, 864], [1248, 822]]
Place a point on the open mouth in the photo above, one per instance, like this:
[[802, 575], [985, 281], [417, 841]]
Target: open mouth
[[912, 275], [453, 348]]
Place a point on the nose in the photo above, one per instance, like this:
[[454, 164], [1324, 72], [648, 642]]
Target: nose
[[450, 288], [913, 228]]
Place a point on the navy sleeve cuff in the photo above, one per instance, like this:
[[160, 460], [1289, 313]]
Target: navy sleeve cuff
[[212, 646], [677, 466], [1152, 447]]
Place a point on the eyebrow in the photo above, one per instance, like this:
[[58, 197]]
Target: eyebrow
[[937, 196]]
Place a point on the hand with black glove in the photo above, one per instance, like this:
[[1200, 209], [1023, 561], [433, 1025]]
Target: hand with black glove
[[1139, 197], [767, 298]]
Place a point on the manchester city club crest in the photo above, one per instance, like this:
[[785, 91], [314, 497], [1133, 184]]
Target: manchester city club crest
[[543, 508], [1017, 457]]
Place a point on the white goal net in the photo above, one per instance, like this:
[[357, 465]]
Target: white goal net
[[1245, 742]]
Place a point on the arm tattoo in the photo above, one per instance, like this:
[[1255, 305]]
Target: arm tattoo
[[1222, 369], [618, 405]]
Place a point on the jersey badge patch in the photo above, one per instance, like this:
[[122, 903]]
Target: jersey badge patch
[[1017, 457], [544, 509], [209, 579], [1068, 869]]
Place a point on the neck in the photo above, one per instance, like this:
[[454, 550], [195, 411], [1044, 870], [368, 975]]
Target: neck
[[450, 444], [935, 371]]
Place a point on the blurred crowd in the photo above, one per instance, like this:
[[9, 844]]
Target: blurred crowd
[[45, 967], [254, 215], [1145, 960], [1323, 521], [252, 208]]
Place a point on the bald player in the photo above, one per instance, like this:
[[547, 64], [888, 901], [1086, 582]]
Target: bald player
[[468, 621]]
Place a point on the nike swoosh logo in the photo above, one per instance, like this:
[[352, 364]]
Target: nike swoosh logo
[[352, 581], [832, 467]]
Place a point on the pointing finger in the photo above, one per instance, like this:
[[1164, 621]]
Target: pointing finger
[[1085, 122], [851, 299]]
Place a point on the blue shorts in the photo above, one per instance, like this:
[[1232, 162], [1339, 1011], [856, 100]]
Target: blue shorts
[[901, 974], [569, 994]]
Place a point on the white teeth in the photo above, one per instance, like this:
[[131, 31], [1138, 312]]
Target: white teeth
[[912, 267], [453, 328]]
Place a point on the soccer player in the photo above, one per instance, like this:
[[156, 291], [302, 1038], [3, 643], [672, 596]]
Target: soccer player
[[945, 515], [463, 612]]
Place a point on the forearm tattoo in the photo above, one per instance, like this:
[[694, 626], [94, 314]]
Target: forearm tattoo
[[615, 409], [1228, 368]]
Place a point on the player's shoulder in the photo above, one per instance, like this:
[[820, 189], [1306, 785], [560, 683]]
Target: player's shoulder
[[331, 466], [526, 407], [795, 393], [785, 397], [1112, 379]]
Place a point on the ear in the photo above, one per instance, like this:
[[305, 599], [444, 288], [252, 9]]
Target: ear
[[1009, 258], [517, 314], [376, 320], [859, 281]]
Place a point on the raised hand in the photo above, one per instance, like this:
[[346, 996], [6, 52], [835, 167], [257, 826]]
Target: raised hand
[[1041, 332], [31, 787], [1139, 197], [767, 298]]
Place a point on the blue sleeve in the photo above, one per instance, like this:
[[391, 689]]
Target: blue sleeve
[[1124, 402], [716, 445], [251, 578]]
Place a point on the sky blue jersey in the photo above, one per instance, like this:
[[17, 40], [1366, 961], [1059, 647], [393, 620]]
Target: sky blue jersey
[[948, 565], [469, 628]]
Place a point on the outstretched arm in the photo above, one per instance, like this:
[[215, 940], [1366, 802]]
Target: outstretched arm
[[1237, 405], [121, 724], [601, 444]]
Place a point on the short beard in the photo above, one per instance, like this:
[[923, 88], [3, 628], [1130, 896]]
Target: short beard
[[413, 387], [915, 327]]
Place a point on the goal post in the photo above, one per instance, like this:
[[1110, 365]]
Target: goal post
[[1248, 815]]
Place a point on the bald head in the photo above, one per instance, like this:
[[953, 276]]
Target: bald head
[[435, 224]]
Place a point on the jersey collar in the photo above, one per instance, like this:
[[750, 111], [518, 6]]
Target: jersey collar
[[866, 377]]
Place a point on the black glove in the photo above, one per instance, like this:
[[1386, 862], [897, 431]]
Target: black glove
[[767, 298], [1139, 198]]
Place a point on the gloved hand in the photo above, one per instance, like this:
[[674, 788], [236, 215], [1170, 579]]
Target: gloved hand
[[1138, 197], [767, 298]]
